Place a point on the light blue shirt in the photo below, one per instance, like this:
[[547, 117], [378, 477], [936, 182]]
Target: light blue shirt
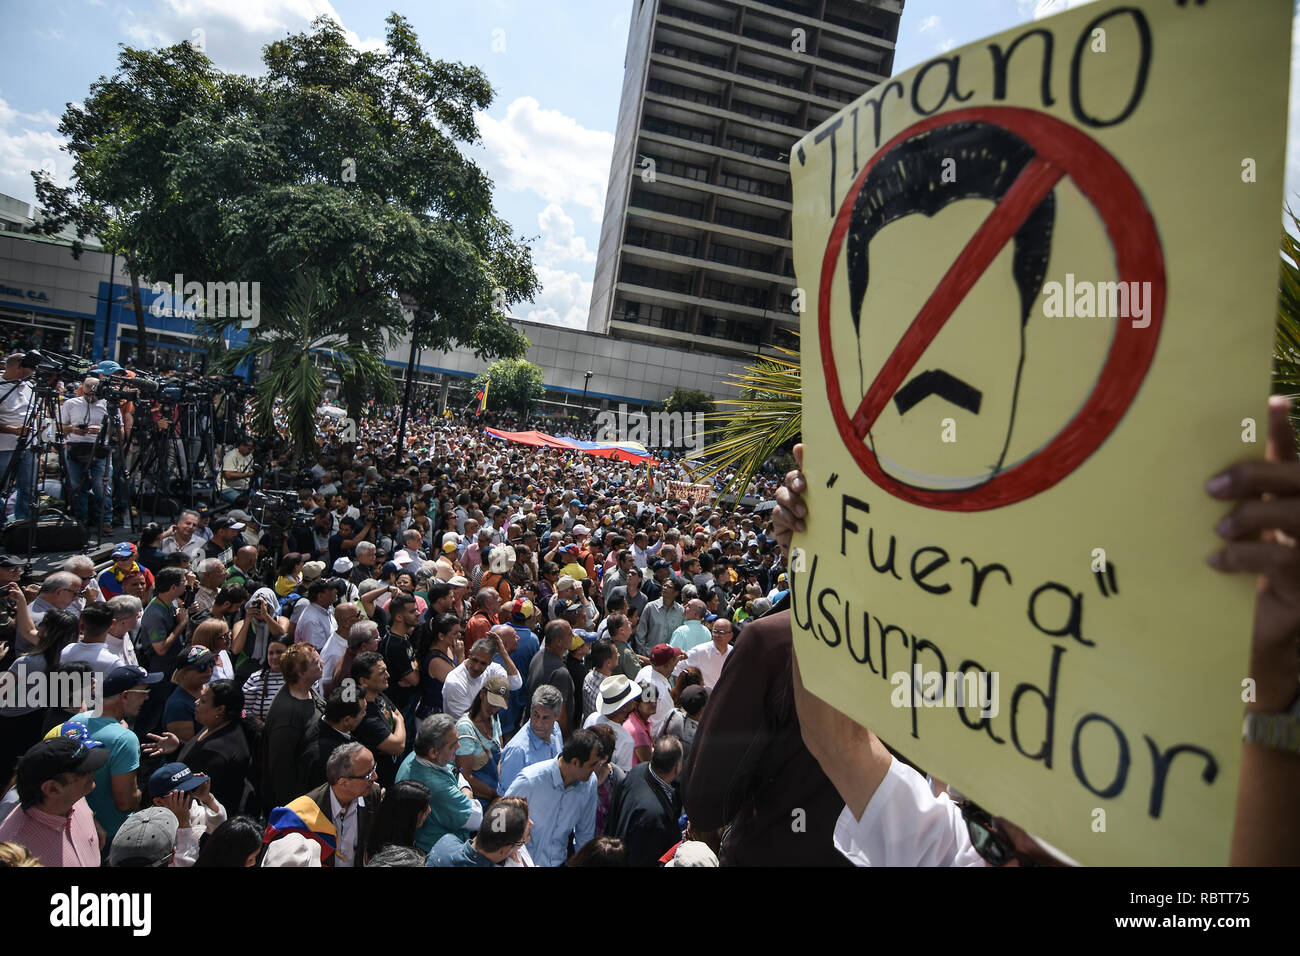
[[525, 749], [556, 811], [449, 808], [690, 634]]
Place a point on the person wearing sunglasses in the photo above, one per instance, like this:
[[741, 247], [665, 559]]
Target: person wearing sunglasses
[[193, 671], [117, 791]]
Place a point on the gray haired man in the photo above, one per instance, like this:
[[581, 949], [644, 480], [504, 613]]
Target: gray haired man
[[350, 799], [538, 740]]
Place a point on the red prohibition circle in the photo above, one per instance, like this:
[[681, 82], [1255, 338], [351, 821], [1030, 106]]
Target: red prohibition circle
[[1061, 151]]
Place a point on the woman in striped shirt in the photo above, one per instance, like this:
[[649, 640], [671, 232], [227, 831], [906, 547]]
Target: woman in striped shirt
[[260, 689]]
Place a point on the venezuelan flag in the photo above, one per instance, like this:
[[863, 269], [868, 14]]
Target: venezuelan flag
[[302, 816], [483, 397]]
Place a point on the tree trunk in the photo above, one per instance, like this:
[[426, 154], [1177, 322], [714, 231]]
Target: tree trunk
[[140, 340]]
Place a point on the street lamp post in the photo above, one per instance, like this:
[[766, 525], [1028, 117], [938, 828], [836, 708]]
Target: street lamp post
[[586, 380]]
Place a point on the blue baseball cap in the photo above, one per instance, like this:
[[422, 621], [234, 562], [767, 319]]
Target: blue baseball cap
[[174, 776], [107, 367], [123, 678]]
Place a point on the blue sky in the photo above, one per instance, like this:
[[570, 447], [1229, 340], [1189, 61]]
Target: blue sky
[[556, 66]]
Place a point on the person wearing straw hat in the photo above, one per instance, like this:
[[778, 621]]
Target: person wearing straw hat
[[618, 697]]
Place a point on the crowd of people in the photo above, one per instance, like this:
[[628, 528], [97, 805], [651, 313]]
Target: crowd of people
[[472, 653], [501, 655]]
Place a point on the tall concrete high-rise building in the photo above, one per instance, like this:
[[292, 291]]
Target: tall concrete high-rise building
[[695, 244]]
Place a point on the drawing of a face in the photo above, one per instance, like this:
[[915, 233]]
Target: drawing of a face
[[949, 424]]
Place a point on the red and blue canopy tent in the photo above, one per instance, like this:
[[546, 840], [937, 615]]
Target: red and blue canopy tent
[[629, 451]]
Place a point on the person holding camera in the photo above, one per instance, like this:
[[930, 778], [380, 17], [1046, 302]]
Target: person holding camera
[[82, 418], [16, 399]]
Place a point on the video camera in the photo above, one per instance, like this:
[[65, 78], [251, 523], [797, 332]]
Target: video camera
[[118, 388], [69, 368]]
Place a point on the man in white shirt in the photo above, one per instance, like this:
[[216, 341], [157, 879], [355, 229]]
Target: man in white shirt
[[710, 657], [182, 537], [82, 418], [642, 550], [95, 622], [236, 469], [345, 615], [15, 402], [409, 557], [466, 679], [127, 612], [317, 622]]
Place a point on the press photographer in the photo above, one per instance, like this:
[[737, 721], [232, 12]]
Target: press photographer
[[16, 465], [83, 418]]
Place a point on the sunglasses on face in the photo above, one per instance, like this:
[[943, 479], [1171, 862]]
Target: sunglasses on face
[[994, 847]]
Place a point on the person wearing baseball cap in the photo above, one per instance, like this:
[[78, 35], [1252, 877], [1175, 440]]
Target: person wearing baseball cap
[[116, 792], [658, 673], [618, 698], [124, 563], [53, 820], [146, 839], [478, 754], [225, 538], [193, 670], [188, 796]]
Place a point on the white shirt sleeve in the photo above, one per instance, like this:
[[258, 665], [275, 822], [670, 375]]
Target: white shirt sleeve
[[904, 824], [513, 681], [187, 847]]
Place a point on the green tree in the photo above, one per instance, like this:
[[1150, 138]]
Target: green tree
[[299, 323], [688, 400], [516, 384], [344, 163]]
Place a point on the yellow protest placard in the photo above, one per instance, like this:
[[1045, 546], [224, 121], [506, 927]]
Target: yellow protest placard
[[1040, 275]]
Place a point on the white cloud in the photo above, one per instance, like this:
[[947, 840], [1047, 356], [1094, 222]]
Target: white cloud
[[947, 45], [565, 299], [929, 23], [231, 32], [548, 153], [559, 242], [29, 141]]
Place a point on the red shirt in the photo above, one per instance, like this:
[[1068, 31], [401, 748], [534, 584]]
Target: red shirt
[[477, 627]]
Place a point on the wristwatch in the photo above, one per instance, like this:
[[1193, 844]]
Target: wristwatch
[[1279, 731]]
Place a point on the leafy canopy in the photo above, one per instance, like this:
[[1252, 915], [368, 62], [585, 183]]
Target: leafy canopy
[[516, 384], [343, 161]]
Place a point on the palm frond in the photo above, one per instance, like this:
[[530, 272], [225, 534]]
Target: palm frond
[[1286, 347], [766, 416]]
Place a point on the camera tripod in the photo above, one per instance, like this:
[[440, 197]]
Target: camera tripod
[[31, 452]]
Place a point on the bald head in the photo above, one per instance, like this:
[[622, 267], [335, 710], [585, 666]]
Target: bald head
[[695, 610]]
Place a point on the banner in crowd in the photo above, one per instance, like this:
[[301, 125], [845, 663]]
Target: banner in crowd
[[1041, 283], [685, 491], [632, 452]]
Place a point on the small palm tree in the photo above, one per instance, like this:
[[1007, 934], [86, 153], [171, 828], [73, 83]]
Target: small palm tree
[[300, 322], [765, 419]]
